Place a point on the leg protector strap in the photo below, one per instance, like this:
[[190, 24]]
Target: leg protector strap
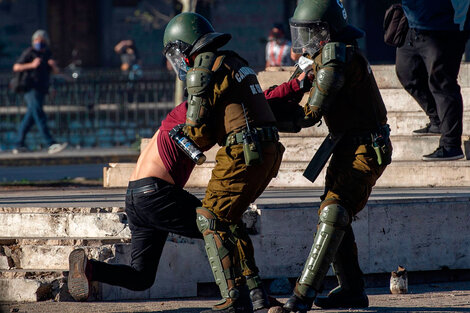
[[331, 228], [220, 247]]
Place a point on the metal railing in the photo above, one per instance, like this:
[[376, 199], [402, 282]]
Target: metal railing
[[100, 108]]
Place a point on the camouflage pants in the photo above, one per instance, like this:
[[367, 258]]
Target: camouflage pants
[[234, 186]]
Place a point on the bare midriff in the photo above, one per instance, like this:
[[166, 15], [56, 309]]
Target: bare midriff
[[150, 164]]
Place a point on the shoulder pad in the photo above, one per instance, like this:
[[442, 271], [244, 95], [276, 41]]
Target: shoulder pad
[[199, 77], [334, 52], [205, 60], [198, 80]]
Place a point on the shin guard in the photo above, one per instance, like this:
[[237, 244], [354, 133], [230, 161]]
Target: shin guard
[[221, 250], [331, 228]]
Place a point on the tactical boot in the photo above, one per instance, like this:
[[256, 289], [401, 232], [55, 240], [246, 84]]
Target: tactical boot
[[261, 301], [350, 292], [298, 304], [241, 305], [339, 298], [78, 280]]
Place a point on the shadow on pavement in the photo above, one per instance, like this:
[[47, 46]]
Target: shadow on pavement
[[414, 309], [184, 310]]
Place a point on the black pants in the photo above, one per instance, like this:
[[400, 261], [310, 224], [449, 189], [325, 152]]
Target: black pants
[[154, 208], [427, 66]]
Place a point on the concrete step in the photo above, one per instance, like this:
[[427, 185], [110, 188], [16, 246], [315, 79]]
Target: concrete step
[[423, 231], [398, 174], [384, 74], [51, 254], [401, 124], [405, 148], [30, 286], [63, 225], [398, 100]]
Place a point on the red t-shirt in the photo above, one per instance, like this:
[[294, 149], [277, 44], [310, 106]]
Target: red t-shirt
[[176, 162]]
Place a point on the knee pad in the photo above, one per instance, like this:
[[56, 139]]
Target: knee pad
[[335, 215]]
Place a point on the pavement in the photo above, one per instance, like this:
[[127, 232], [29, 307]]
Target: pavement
[[430, 298], [433, 297]]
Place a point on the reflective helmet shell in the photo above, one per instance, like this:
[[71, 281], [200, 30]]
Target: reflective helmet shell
[[186, 27], [192, 32], [329, 11]]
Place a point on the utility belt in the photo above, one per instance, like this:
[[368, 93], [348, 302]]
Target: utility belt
[[263, 134], [378, 139], [366, 138], [251, 139]]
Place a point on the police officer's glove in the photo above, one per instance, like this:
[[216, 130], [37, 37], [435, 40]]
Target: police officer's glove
[[305, 81], [311, 117], [201, 136]]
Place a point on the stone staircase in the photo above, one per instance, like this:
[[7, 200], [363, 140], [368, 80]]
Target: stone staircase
[[421, 229], [404, 116], [424, 229]]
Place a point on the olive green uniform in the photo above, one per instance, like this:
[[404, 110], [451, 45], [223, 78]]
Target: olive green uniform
[[357, 111], [233, 184], [346, 95]]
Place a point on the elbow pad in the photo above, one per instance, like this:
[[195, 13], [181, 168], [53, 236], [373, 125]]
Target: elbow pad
[[330, 77], [329, 82]]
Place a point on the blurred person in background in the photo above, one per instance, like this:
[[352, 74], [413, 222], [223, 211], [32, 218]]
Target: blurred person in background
[[38, 63], [278, 48], [130, 60], [428, 64]]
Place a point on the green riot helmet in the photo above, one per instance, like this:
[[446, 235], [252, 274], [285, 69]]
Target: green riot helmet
[[315, 21], [186, 34]]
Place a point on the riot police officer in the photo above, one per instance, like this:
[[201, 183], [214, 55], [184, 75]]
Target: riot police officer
[[226, 106], [346, 96]]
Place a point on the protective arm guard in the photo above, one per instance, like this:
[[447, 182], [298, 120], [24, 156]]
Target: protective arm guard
[[198, 84], [329, 80]]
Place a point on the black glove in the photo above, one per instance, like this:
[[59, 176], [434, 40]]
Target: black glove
[[306, 83]]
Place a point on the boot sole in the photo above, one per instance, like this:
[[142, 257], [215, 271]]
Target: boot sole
[[77, 281]]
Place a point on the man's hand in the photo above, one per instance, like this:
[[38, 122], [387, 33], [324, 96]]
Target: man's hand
[[35, 63], [53, 65]]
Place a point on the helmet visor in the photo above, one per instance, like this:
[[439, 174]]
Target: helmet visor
[[308, 37], [178, 61]]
